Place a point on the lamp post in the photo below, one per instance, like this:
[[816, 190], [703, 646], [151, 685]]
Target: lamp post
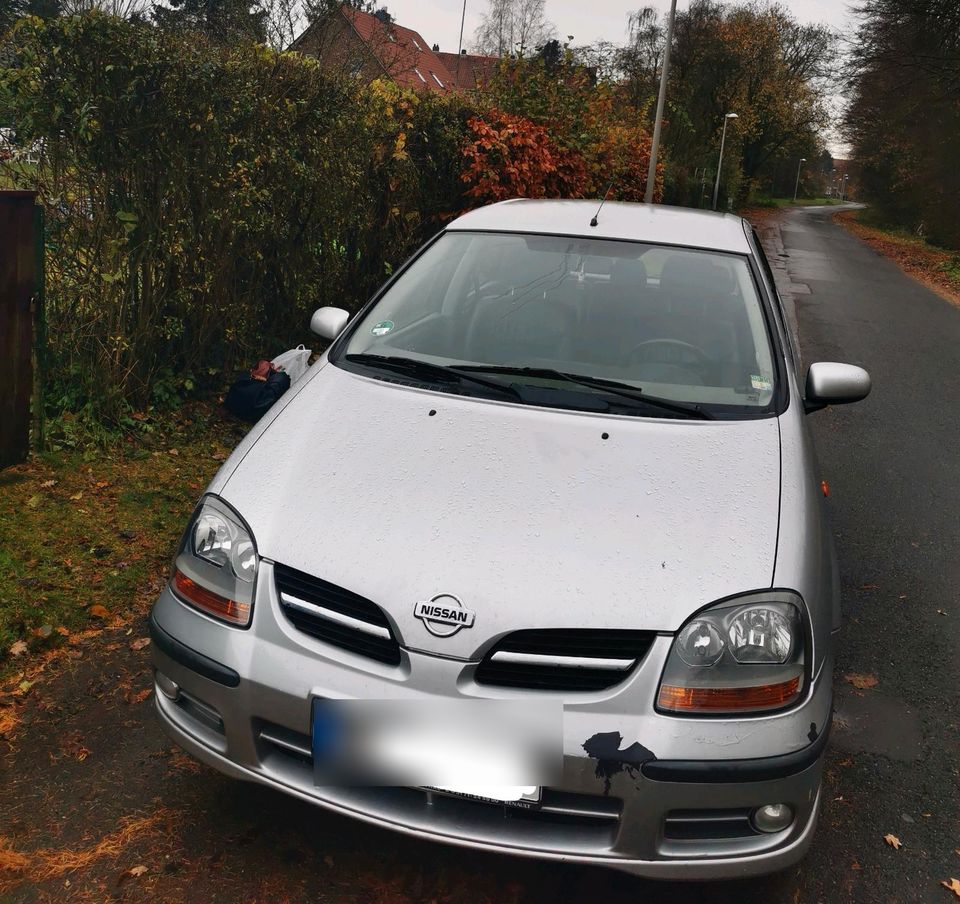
[[796, 187], [463, 19], [843, 187], [723, 141], [661, 100]]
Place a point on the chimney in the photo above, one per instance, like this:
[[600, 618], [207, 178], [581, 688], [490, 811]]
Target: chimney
[[435, 48]]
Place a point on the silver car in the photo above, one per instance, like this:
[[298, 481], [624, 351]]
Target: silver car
[[535, 558]]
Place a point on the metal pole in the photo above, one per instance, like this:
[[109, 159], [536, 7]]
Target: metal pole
[[463, 19], [796, 187], [723, 139], [661, 101]]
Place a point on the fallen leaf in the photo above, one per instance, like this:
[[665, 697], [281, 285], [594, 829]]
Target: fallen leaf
[[140, 643], [855, 865], [18, 648], [43, 631], [173, 452], [861, 682], [48, 483], [140, 696], [845, 763], [98, 611], [893, 841], [33, 501], [869, 587], [953, 885], [77, 496], [62, 631], [941, 611], [133, 872]]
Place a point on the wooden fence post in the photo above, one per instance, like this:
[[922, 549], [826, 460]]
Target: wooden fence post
[[18, 288]]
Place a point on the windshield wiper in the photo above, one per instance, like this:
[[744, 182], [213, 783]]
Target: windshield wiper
[[610, 386], [415, 367]]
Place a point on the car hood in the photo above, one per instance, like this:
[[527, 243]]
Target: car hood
[[529, 516]]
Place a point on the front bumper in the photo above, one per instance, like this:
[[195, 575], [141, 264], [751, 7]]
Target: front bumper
[[244, 708]]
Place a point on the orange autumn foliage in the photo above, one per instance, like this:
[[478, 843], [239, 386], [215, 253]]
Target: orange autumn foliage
[[508, 156]]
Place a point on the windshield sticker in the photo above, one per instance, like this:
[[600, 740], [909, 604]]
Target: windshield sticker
[[757, 382], [382, 328]]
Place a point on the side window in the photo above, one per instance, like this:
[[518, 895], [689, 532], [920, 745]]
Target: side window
[[793, 351]]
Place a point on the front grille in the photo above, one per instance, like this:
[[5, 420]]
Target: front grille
[[335, 615], [562, 659], [708, 825]]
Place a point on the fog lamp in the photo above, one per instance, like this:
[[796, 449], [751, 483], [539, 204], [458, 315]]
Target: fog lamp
[[167, 686], [772, 817]]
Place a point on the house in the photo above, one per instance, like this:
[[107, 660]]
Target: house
[[469, 70], [372, 46]]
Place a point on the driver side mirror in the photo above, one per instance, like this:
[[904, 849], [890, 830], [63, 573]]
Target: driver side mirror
[[830, 383], [328, 322]]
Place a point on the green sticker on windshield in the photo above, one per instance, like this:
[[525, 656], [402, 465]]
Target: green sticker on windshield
[[382, 328], [757, 382]]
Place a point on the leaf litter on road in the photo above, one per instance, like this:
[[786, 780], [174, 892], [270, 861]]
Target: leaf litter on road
[[861, 681]]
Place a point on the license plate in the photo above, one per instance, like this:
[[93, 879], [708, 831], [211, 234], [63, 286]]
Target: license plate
[[492, 750], [523, 797]]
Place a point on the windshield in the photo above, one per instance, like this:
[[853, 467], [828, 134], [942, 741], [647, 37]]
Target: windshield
[[664, 323]]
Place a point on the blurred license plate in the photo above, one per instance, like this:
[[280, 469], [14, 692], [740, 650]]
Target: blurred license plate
[[498, 750]]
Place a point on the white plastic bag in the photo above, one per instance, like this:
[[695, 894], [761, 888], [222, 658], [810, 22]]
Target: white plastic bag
[[293, 363]]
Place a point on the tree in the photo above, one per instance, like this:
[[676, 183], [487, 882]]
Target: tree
[[123, 9], [223, 21], [753, 59], [639, 60], [11, 10], [513, 27], [903, 120]]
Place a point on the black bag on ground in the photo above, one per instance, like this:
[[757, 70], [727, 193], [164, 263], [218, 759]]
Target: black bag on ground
[[252, 394]]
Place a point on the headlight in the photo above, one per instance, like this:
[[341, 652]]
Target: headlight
[[738, 656], [216, 567]]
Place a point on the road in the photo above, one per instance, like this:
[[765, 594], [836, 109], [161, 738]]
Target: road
[[893, 761]]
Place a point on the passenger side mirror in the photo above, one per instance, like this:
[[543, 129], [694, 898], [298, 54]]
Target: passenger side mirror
[[328, 322], [830, 383]]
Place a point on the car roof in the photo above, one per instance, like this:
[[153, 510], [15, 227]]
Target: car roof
[[655, 223]]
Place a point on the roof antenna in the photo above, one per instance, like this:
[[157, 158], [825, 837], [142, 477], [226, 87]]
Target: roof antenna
[[595, 221]]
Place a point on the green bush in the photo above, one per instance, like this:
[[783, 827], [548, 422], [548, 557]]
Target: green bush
[[201, 201]]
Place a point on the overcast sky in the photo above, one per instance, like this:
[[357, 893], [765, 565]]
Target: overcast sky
[[587, 20]]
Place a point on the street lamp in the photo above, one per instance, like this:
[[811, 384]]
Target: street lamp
[[723, 140], [796, 187], [661, 100], [843, 187]]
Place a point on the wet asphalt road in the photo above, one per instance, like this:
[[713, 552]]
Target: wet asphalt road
[[892, 767]]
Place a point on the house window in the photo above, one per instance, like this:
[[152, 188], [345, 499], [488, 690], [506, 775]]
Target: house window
[[420, 75], [434, 74]]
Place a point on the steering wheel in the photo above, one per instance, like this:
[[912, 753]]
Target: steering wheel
[[676, 352]]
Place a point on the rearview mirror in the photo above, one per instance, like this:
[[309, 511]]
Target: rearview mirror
[[830, 383], [328, 322]]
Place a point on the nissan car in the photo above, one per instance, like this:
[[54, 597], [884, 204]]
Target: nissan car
[[535, 558]]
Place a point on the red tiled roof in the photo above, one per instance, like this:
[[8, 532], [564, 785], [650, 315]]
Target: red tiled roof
[[403, 53], [469, 70]]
